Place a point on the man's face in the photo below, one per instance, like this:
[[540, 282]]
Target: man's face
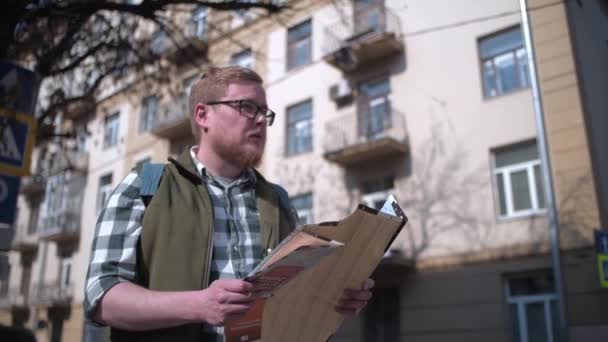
[[236, 138]]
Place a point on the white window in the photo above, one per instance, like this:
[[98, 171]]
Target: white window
[[376, 191], [518, 180], [299, 45], [149, 107], [299, 128], [65, 273], [199, 23], [104, 191], [504, 62], [532, 307], [111, 127], [303, 206], [55, 203], [243, 59]]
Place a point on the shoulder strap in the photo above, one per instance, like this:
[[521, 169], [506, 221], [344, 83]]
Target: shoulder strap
[[150, 178]]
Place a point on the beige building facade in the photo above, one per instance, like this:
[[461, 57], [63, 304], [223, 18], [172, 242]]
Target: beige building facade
[[429, 101]]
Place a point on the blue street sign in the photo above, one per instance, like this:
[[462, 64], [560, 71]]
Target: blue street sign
[[18, 88], [9, 190], [601, 241]]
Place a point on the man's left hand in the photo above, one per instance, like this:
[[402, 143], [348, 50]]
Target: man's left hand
[[354, 300]]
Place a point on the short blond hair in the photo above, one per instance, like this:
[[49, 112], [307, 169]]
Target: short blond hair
[[212, 84]]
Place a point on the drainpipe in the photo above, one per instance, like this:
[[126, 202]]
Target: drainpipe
[[546, 175]]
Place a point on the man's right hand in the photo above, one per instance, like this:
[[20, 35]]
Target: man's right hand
[[224, 300]]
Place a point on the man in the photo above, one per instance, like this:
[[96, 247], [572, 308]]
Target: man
[[172, 270]]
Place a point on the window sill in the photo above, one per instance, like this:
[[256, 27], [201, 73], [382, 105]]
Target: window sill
[[522, 216], [486, 99]]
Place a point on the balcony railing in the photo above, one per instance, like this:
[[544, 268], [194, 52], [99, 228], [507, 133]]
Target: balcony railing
[[33, 186], [52, 294], [178, 48], [70, 159], [363, 136], [62, 226], [371, 33], [173, 120]]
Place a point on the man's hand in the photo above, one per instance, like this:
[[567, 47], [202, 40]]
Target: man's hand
[[354, 300], [225, 299]]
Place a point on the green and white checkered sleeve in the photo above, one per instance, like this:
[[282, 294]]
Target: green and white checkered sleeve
[[114, 248]]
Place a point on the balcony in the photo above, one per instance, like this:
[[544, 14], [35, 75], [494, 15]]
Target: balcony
[[180, 48], [23, 242], [363, 136], [173, 121], [47, 295], [370, 34], [70, 160], [61, 227], [33, 186]]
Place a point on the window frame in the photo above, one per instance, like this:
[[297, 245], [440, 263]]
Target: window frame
[[290, 46], [114, 119], [506, 172], [307, 212], [520, 301], [104, 189], [288, 125], [146, 117], [482, 61], [235, 57]]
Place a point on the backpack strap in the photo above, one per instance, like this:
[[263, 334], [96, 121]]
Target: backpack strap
[[150, 175]]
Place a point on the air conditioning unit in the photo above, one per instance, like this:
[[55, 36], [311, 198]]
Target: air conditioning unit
[[340, 92]]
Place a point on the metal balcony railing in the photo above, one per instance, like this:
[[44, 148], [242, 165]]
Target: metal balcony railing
[[364, 135], [172, 118], [63, 225], [52, 294], [72, 160], [372, 23]]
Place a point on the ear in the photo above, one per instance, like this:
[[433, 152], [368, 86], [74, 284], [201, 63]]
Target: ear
[[201, 116]]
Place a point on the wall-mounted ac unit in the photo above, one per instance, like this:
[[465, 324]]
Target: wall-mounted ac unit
[[341, 91]]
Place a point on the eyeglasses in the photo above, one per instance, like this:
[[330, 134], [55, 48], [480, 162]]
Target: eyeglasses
[[249, 109]]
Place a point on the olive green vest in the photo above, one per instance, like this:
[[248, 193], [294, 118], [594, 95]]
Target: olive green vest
[[174, 251]]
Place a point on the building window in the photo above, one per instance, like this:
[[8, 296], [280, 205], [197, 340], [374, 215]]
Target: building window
[[111, 126], [376, 191], [303, 206], [532, 307], [199, 23], [65, 273], [149, 106], [104, 191], [518, 180], [374, 108], [55, 203], [381, 316], [299, 45], [299, 128], [243, 59], [504, 62]]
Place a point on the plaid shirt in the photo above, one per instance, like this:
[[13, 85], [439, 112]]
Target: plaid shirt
[[236, 237]]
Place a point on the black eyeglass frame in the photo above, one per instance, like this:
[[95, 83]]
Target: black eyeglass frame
[[267, 112]]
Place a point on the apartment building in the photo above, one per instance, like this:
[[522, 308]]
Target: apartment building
[[427, 100]]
